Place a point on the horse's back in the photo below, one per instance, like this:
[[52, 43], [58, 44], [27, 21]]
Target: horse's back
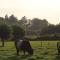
[[19, 43]]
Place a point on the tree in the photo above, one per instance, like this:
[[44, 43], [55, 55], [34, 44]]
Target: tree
[[23, 22], [57, 28], [2, 20], [6, 18], [50, 29], [12, 20], [37, 25], [18, 32], [44, 23], [5, 32]]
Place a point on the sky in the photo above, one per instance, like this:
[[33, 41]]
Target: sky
[[43, 9]]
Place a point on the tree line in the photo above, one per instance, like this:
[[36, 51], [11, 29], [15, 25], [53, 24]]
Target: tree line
[[11, 28], [31, 26], [51, 32]]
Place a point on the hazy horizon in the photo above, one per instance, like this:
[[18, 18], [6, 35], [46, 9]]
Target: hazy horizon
[[43, 9]]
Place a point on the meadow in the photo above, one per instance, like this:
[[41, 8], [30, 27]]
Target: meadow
[[43, 50]]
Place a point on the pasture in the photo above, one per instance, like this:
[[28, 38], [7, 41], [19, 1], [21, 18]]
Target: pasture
[[43, 50]]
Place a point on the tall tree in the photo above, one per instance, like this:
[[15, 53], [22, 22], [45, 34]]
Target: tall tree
[[37, 25], [23, 22], [18, 32], [50, 29], [57, 28], [13, 19], [5, 32], [2, 20], [6, 18]]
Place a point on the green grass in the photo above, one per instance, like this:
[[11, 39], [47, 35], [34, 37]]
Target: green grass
[[47, 52]]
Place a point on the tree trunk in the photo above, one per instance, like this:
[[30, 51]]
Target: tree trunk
[[2, 43]]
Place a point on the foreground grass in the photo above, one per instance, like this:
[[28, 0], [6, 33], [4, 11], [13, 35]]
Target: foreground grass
[[47, 52]]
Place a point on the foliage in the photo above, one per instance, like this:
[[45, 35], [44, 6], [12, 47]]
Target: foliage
[[51, 30], [32, 27], [11, 20], [38, 24], [18, 32], [5, 31]]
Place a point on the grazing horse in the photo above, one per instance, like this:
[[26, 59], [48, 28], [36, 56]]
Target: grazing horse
[[24, 46], [58, 47]]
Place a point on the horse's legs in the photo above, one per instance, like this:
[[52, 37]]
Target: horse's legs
[[17, 50], [24, 52], [58, 52]]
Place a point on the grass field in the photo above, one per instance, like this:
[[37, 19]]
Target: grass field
[[45, 50]]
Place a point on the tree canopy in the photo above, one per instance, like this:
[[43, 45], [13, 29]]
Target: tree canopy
[[18, 32], [5, 32]]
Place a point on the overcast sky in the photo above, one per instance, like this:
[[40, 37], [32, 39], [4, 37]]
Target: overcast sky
[[48, 9]]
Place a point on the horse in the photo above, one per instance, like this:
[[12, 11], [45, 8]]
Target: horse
[[23, 45], [58, 47]]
